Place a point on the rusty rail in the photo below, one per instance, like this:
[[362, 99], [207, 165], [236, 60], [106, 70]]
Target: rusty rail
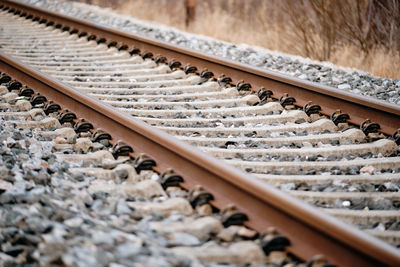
[[309, 231], [330, 99]]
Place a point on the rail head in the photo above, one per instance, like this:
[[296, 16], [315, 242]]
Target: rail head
[[330, 99], [309, 231]]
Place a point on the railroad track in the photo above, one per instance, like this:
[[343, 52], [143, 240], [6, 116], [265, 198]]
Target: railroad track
[[109, 175], [350, 173]]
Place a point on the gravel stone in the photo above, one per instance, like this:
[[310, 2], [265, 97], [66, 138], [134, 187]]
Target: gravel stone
[[344, 86], [182, 239], [61, 218]]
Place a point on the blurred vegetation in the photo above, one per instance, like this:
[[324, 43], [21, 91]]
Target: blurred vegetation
[[365, 24], [364, 34]]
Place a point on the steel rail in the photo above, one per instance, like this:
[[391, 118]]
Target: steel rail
[[330, 99], [309, 231]]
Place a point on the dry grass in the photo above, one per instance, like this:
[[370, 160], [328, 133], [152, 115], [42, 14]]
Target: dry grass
[[254, 22], [379, 62]]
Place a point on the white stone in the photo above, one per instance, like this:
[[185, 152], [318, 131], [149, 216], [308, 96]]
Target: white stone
[[202, 228], [23, 105], [172, 205], [83, 144], [344, 86], [238, 253]]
